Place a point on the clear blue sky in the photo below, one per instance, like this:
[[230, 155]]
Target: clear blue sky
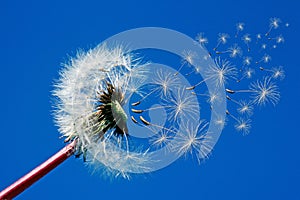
[[36, 37]]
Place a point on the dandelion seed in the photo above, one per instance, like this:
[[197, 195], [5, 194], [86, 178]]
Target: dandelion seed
[[233, 51], [247, 61], [166, 82], [162, 139], [263, 46], [258, 37], [222, 71], [279, 39], [247, 39], [223, 37], [277, 72], [266, 58], [247, 73], [265, 91], [201, 39], [192, 140], [239, 27], [245, 108], [274, 24], [221, 122], [213, 98], [243, 126], [187, 59], [181, 106]]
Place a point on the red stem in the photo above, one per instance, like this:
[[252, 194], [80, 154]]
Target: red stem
[[37, 173]]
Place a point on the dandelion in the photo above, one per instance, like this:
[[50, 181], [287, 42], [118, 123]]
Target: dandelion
[[223, 37], [274, 24], [103, 94]]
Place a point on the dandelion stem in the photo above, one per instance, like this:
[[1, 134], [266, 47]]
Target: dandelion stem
[[26, 181]]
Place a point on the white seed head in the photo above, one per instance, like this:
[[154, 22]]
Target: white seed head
[[77, 91]]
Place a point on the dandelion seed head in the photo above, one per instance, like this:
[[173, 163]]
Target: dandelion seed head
[[90, 94]]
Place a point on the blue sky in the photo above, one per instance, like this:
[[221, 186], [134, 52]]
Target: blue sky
[[36, 37]]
